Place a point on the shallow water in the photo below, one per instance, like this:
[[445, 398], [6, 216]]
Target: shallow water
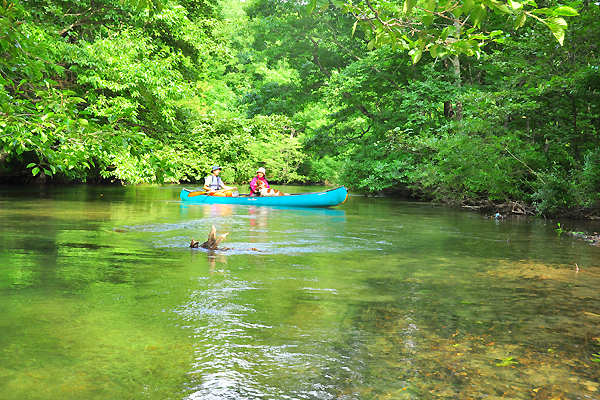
[[101, 298]]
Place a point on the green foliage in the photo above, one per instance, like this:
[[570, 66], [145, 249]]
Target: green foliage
[[240, 146], [58, 131], [326, 169], [590, 176], [151, 5], [146, 91], [556, 192], [443, 28]]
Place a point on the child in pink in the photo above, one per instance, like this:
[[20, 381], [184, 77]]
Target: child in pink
[[260, 176]]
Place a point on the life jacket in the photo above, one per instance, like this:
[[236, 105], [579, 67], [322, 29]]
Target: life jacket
[[215, 184]]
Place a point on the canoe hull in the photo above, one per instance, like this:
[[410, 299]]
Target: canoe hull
[[326, 198]]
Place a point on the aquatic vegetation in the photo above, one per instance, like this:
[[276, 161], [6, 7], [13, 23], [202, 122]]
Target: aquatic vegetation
[[506, 362], [596, 357]]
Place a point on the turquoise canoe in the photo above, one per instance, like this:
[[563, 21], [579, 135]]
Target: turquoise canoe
[[327, 198]]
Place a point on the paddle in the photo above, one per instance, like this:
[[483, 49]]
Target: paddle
[[204, 192]]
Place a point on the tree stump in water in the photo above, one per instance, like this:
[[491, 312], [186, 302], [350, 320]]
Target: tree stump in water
[[212, 242]]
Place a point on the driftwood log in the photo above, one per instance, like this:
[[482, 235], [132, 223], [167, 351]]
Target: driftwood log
[[212, 243]]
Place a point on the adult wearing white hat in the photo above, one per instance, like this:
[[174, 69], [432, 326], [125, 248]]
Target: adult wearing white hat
[[260, 176]]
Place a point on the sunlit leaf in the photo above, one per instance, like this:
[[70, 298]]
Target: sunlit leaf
[[416, 55], [558, 21], [566, 11], [557, 26], [515, 5]]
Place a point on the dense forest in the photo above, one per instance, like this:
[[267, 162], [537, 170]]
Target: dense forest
[[474, 102]]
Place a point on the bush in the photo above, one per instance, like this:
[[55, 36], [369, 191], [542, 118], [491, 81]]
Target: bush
[[591, 177], [555, 193]]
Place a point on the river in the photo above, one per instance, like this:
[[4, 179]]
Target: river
[[379, 298]]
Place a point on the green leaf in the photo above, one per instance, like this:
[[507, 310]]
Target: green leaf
[[141, 5], [445, 33], [542, 11], [433, 50], [415, 55], [371, 44], [467, 6], [515, 5], [408, 6], [429, 5], [311, 6], [566, 11], [502, 8], [478, 14], [428, 19], [31, 165], [35, 171], [558, 21], [354, 27], [520, 21], [557, 26]]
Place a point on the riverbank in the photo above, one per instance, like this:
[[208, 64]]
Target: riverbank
[[515, 207], [594, 239]]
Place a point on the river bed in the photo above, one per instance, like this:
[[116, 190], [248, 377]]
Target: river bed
[[379, 298]]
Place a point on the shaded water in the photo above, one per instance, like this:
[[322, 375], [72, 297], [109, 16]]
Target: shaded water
[[101, 298]]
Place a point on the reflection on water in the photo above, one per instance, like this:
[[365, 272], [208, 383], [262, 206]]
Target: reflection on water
[[101, 298]]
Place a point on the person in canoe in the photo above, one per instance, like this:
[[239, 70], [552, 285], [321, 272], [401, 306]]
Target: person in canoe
[[260, 177], [214, 185]]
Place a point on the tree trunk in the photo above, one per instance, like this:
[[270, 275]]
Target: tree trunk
[[575, 129], [3, 156], [458, 111], [448, 110]]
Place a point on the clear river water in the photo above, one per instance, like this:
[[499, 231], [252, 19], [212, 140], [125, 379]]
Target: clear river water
[[379, 298]]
